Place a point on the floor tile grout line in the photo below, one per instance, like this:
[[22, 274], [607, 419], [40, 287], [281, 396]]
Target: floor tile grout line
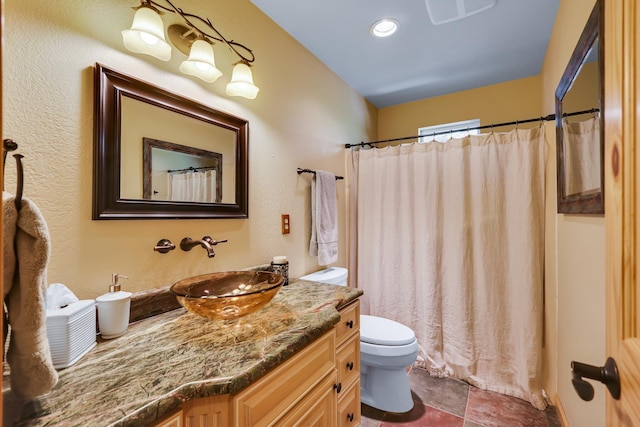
[[467, 409]]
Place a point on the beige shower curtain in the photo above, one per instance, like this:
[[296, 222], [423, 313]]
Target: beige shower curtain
[[447, 238], [193, 186]]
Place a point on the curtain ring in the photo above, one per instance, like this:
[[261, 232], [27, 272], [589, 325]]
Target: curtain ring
[[517, 125]]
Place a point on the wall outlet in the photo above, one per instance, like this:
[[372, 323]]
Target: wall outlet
[[286, 225]]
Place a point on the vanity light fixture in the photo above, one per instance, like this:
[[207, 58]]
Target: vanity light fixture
[[201, 62], [241, 83], [384, 27], [195, 39]]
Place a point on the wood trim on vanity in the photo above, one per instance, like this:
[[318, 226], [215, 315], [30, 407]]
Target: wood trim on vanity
[[173, 420], [348, 365]]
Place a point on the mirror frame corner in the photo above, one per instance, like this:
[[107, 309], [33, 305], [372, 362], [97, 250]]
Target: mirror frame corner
[[593, 201], [110, 86]]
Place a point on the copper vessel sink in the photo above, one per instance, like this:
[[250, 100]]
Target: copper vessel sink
[[227, 295]]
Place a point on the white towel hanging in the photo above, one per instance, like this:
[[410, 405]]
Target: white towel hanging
[[324, 218]]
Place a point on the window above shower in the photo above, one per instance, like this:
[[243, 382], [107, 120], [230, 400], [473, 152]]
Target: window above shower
[[446, 131]]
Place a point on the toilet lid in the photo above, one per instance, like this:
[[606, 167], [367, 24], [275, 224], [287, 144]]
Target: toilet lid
[[377, 330]]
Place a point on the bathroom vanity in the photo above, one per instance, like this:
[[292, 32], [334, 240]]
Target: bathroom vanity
[[295, 362]]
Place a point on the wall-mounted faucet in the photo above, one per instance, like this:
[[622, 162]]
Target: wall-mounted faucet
[[206, 242]]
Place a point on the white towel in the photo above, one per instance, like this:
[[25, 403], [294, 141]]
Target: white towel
[[32, 371], [324, 218], [9, 226]]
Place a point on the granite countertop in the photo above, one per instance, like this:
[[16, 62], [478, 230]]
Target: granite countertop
[[170, 358]]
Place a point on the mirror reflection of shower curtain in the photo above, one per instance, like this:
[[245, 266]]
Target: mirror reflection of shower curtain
[[582, 155], [192, 186]]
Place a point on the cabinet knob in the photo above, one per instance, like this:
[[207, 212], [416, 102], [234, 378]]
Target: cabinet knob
[[350, 366], [350, 417], [337, 387], [350, 324]]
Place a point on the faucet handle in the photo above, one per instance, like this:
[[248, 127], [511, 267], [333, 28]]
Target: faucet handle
[[213, 242], [163, 246]]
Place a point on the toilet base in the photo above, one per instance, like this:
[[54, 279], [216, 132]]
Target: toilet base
[[385, 389]]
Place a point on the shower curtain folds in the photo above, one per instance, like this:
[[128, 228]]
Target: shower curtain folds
[[447, 238], [194, 186]]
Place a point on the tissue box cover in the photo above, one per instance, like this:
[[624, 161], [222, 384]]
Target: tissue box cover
[[71, 332]]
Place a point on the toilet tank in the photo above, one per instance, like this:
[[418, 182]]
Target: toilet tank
[[331, 275]]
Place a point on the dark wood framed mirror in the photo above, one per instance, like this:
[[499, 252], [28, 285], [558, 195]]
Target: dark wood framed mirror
[[579, 124], [129, 111]]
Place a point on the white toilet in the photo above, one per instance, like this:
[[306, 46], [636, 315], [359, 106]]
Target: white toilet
[[386, 349]]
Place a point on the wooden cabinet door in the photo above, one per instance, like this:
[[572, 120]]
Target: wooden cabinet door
[[317, 409], [173, 420], [210, 411], [281, 390], [622, 204]]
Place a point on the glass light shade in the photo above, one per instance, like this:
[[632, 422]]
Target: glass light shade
[[146, 35], [241, 83], [201, 62]]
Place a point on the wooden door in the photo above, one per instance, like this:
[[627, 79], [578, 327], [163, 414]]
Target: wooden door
[[622, 204], [1, 171]]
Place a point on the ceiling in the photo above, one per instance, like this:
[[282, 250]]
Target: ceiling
[[505, 42]]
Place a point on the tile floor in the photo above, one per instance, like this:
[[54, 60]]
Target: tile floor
[[448, 402]]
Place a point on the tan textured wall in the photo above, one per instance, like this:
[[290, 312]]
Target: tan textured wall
[[504, 102], [575, 251], [50, 49]]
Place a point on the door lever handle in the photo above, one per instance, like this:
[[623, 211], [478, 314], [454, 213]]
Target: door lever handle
[[607, 374]]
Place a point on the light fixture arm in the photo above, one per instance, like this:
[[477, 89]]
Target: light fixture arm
[[246, 56]]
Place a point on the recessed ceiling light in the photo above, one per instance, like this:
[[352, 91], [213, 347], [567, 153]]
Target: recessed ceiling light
[[384, 27]]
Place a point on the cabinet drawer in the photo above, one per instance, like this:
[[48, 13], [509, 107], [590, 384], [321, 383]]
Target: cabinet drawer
[[349, 322], [276, 393], [348, 360], [349, 406]]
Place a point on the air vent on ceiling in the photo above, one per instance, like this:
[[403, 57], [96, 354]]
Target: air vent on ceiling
[[443, 11]]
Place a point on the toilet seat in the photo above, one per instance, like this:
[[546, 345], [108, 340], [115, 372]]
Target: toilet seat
[[384, 332]]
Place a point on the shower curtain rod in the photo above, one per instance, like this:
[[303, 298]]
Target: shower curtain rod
[[192, 169], [517, 122]]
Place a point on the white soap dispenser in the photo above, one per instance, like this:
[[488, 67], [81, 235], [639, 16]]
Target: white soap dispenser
[[113, 310]]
